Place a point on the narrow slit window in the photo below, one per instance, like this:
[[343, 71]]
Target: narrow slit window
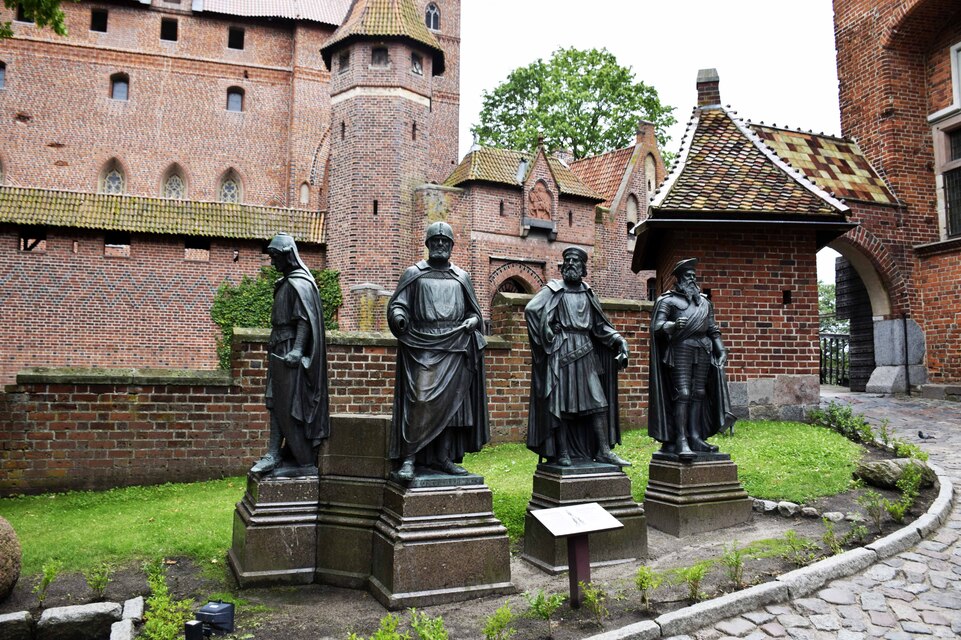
[[168, 29], [413, 131], [235, 38], [417, 64], [343, 62], [120, 86], [235, 99], [375, 207], [786, 297], [3, 74]]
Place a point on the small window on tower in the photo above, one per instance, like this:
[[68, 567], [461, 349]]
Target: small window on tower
[[168, 29], [343, 62], [98, 20], [235, 99], [417, 64], [432, 17], [235, 38], [379, 57], [33, 239], [119, 86]]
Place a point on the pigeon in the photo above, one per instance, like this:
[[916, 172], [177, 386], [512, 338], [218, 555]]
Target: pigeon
[[924, 436]]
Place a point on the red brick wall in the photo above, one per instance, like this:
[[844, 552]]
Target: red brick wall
[[81, 309], [747, 273], [96, 432], [940, 279]]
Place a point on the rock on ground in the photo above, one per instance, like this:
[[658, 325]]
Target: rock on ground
[[10, 556], [81, 622], [885, 473]]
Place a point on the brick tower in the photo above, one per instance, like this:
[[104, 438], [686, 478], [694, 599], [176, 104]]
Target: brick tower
[[382, 60]]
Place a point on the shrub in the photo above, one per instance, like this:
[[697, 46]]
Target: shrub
[[97, 579], [594, 598], [873, 505], [49, 573], [427, 628], [830, 538], [910, 485], [386, 631], [843, 420], [904, 449], [164, 617], [248, 304], [692, 576], [800, 550], [733, 560], [543, 606], [647, 580], [498, 624]]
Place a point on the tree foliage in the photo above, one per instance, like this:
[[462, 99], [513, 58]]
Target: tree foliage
[[44, 13], [827, 309], [248, 304], [581, 100]]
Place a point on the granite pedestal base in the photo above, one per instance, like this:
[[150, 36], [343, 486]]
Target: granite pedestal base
[[439, 542], [606, 484], [683, 499], [275, 532]]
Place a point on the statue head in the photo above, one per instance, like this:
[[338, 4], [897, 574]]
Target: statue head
[[439, 241], [686, 276], [574, 266], [284, 255]]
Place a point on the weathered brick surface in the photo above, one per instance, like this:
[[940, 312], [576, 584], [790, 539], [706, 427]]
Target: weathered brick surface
[[80, 435], [894, 70]]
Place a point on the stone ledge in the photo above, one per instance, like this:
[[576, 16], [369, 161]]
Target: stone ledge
[[950, 392], [644, 630], [807, 580], [352, 338], [711, 611], [75, 375], [16, 626]]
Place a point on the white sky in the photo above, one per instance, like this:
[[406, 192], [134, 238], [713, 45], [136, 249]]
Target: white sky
[[775, 59]]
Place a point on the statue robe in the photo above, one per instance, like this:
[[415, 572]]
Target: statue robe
[[440, 380]]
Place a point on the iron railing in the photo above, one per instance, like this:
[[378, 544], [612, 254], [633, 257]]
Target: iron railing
[[835, 359]]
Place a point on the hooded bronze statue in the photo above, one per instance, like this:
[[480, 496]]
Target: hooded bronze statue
[[575, 355], [296, 394], [689, 399], [440, 395]]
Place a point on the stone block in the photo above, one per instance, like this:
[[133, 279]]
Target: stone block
[[762, 412], [604, 484], [794, 390], [895, 543], [891, 379], [347, 515], [16, 626], [687, 498], [438, 544], [927, 524], [739, 398], [644, 630], [889, 342], [710, 612], [79, 622], [806, 580], [275, 532], [123, 630], [760, 391], [133, 609], [357, 446]]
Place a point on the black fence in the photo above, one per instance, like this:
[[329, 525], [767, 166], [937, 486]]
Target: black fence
[[835, 352]]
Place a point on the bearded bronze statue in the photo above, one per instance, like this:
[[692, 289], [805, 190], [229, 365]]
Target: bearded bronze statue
[[689, 399]]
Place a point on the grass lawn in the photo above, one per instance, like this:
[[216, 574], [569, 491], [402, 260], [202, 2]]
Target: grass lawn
[[776, 460]]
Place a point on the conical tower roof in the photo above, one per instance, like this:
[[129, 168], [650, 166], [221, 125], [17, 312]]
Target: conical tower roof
[[384, 19]]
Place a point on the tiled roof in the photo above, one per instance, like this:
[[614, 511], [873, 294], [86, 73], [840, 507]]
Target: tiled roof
[[155, 215], [833, 163], [502, 166], [605, 172], [325, 11], [724, 167], [385, 18]]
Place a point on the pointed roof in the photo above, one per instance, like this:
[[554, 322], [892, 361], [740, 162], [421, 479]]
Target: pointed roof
[[724, 167], [506, 166], [604, 173], [384, 19]]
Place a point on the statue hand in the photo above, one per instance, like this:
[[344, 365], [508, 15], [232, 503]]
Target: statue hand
[[722, 359], [621, 360], [401, 323], [293, 358], [470, 324], [680, 323]]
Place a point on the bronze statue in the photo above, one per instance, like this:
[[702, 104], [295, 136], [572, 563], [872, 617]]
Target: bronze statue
[[689, 399], [575, 355], [296, 367], [440, 395]]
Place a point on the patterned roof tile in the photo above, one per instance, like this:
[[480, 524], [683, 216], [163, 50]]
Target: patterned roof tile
[[725, 167], [502, 166], [156, 215], [568, 182], [385, 18], [833, 163], [325, 11]]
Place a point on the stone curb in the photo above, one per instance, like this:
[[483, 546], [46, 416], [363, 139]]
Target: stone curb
[[794, 584]]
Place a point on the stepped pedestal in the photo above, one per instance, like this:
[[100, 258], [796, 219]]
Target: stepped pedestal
[[606, 484], [687, 498]]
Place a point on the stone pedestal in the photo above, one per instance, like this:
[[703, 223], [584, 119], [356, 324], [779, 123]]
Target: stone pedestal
[[438, 541], [353, 469], [606, 484], [687, 498], [275, 532]]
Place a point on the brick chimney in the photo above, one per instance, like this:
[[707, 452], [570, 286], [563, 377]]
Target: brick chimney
[[642, 127], [708, 91]]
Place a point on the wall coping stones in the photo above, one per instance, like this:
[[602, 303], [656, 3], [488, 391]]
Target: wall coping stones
[[352, 338], [78, 375], [711, 611], [609, 304]]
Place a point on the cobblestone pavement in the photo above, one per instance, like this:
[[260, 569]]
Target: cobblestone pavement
[[915, 594]]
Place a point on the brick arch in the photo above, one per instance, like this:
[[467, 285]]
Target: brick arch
[[916, 22], [877, 269], [518, 271]]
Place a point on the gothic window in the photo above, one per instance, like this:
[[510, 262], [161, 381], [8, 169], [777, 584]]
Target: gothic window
[[379, 57], [632, 208], [175, 187], [98, 20], [3, 74], [235, 99], [417, 64], [432, 17], [112, 179], [119, 86], [952, 184], [168, 29], [235, 38], [304, 193], [230, 188], [650, 174]]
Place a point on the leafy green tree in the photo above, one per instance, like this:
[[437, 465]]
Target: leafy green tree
[[44, 13], [827, 309], [579, 100]]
